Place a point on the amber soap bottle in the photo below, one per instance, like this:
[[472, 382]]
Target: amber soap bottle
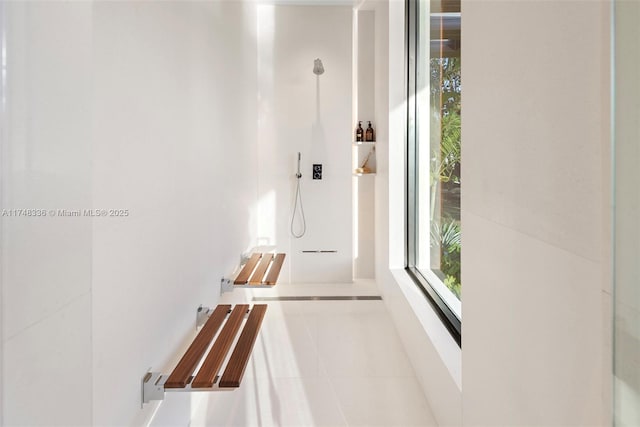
[[369, 134]]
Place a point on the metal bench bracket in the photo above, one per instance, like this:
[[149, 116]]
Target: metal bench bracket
[[202, 314], [152, 387]]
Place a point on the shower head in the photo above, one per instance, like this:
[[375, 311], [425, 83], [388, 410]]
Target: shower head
[[318, 68]]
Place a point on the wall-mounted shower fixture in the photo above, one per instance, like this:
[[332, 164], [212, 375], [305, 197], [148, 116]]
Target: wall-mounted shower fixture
[[298, 201], [299, 175], [317, 171], [318, 68]]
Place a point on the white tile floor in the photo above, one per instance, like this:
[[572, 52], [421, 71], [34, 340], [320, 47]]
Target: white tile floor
[[321, 363]]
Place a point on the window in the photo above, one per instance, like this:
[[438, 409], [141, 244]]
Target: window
[[434, 154]]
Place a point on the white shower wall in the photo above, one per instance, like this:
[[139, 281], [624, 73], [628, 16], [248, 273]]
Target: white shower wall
[[46, 260], [299, 112], [148, 107], [173, 136]]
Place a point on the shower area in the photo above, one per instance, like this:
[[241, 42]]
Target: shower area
[[301, 113], [306, 91], [626, 176]]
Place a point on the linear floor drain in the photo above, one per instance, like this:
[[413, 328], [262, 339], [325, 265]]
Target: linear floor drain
[[322, 298]]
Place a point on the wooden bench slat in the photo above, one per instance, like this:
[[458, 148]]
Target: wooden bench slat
[[207, 373], [246, 271], [180, 376], [258, 275], [241, 353], [274, 272]]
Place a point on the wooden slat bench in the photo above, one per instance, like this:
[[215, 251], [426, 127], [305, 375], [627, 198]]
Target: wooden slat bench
[[207, 377], [261, 270]]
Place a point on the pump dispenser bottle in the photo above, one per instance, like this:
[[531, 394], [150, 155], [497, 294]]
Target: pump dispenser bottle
[[369, 134], [359, 133]]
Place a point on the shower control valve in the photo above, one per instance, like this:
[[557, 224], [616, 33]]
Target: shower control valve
[[317, 171]]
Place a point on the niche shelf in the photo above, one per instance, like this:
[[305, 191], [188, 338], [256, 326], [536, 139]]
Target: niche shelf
[[362, 150]]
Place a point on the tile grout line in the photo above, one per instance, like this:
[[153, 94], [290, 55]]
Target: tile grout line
[[48, 316]]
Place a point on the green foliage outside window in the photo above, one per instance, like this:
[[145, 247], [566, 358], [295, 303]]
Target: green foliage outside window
[[445, 168]]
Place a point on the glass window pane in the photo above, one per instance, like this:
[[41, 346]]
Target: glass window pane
[[437, 148]]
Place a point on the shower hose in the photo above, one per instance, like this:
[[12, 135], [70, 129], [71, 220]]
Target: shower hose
[[298, 201]]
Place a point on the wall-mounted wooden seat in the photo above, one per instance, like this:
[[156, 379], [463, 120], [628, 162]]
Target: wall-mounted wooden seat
[[185, 378], [260, 270]]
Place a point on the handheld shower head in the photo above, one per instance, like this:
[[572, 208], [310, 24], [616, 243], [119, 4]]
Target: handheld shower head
[[318, 68], [299, 175]]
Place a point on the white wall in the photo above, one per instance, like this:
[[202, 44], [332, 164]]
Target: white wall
[[627, 176], [174, 142], [3, 137], [535, 217], [299, 112], [141, 106], [364, 186], [46, 261], [536, 189], [382, 108]]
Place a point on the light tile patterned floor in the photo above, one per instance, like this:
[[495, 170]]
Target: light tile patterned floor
[[321, 363]]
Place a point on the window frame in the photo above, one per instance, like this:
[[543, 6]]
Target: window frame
[[445, 313]]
